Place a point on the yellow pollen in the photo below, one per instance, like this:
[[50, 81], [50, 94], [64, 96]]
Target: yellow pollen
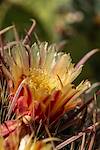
[[40, 83]]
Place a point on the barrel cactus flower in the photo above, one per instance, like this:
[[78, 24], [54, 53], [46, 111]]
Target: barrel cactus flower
[[41, 82], [26, 143]]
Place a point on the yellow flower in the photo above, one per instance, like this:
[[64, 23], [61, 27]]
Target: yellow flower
[[28, 144], [49, 76], [13, 142]]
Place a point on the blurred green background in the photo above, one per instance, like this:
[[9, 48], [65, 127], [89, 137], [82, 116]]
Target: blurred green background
[[76, 22]]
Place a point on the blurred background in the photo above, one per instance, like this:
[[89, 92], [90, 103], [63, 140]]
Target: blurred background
[[73, 22]]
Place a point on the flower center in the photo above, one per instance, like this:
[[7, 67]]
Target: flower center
[[41, 83]]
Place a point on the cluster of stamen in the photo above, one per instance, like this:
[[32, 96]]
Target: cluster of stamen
[[40, 82]]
